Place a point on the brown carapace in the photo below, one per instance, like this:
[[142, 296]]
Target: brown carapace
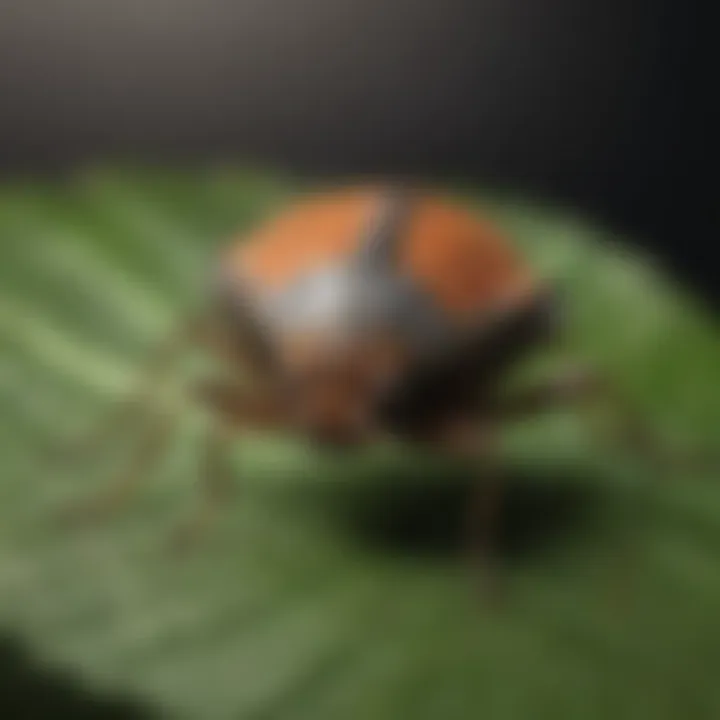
[[373, 312]]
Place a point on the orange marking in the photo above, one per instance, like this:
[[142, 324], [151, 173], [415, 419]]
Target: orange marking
[[315, 232], [462, 260]]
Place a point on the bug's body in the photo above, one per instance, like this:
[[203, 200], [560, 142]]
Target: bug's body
[[379, 268], [459, 260], [373, 311]]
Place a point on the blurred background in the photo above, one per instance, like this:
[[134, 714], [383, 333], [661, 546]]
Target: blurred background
[[134, 138], [601, 104]]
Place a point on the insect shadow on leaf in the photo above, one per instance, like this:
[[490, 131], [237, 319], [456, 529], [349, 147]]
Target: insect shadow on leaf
[[416, 511]]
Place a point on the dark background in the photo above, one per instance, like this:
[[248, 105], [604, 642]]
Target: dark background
[[598, 103]]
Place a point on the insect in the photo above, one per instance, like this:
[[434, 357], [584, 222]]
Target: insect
[[367, 312]]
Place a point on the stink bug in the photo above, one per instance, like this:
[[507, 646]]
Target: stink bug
[[369, 312]]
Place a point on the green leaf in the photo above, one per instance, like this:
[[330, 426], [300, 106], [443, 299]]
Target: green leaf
[[338, 588]]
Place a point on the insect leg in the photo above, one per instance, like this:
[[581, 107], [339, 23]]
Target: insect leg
[[476, 441], [234, 409], [139, 400], [484, 515], [581, 385], [216, 487], [120, 491]]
